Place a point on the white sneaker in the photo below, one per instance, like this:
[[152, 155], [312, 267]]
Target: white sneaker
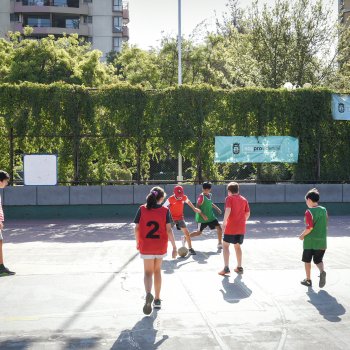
[[219, 245]]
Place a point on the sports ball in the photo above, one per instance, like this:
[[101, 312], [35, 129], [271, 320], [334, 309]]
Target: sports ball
[[182, 251]]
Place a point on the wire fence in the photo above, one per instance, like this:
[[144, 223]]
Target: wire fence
[[132, 165]]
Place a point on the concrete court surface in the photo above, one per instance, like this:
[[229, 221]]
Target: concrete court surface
[[79, 285]]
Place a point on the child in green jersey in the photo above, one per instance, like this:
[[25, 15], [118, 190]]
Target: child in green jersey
[[207, 216], [314, 237]]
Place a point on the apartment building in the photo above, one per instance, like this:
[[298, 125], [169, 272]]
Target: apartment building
[[102, 22]]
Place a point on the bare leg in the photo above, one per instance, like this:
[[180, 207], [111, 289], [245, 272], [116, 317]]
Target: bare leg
[[195, 233], [149, 271], [219, 231], [238, 254], [187, 235], [320, 266], [1, 255], [308, 271], [226, 252], [157, 277]]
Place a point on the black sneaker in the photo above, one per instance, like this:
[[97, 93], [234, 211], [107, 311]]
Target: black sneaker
[[157, 304], [4, 271], [147, 308], [322, 279], [191, 251], [306, 283]]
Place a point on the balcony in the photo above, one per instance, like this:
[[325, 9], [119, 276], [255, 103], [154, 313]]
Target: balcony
[[46, 29], [50, 6], [126, 15], [125, 32]]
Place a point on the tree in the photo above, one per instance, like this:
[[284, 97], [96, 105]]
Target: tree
[[291, 42], [68, 59]]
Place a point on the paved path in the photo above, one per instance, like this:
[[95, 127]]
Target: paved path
[[79, 285]]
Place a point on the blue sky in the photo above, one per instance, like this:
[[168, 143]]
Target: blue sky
[[150, 18]]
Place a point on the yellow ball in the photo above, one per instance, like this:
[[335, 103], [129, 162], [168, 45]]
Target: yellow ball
[[182, 251]]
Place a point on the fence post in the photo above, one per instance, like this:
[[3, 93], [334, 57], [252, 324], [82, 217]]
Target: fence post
[[319, 161], [138, 160], [11, 154], [76, 143]]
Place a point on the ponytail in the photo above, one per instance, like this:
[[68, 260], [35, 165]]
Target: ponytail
[[154, 196]]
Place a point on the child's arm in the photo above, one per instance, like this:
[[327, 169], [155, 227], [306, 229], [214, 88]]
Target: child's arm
[[171, 239], [305, 233], [137, 235], [196, 210], [199, 203], [217, 208], [226, 215]]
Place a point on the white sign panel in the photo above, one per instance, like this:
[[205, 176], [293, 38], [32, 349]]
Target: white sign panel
[[40, 169]]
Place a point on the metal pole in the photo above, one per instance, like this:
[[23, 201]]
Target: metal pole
[[179, 45], [179, 80]]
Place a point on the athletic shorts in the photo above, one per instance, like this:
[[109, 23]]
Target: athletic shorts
[[212, 225], [152, 256], [316, 254], [1, 238], [179, 224], [234, 239]]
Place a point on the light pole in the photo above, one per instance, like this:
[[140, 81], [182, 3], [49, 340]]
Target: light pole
[[179, 81]]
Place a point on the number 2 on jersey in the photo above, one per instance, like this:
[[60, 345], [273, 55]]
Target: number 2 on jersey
[[151, 234]]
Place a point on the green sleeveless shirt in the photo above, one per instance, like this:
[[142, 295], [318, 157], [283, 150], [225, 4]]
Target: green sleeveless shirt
[[207, 209], [317, 238]]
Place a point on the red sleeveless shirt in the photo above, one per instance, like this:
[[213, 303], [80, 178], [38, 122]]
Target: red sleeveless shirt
[[153, 236]]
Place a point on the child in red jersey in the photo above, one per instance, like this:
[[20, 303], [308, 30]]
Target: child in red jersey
[[176, 205], [237, 213], [152, 232]]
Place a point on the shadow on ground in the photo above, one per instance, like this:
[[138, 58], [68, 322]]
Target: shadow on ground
[[169, 266], [236, 291], [66, 343], [80, 231], [142, 336], [326, 305]]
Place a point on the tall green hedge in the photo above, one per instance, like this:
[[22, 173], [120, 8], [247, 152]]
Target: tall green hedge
[[116, 132]]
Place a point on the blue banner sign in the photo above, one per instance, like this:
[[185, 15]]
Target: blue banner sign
[[341, 107], [251, 149]]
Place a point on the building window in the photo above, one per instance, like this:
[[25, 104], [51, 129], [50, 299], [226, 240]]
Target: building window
[[117, 5], [37, 21], [14, 17], [65, 21], [87, 0], [65, 3], [117, 24], [117, 44], [87, 19], [34, 2]]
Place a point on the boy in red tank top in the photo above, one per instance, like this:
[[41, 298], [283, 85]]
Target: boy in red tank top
[[175, 203], [152, 233], [237, 213]]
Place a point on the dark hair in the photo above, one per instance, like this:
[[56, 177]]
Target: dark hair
[[206, 185], [313, 194], [154, 196], [233, 187], [4, 175]]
